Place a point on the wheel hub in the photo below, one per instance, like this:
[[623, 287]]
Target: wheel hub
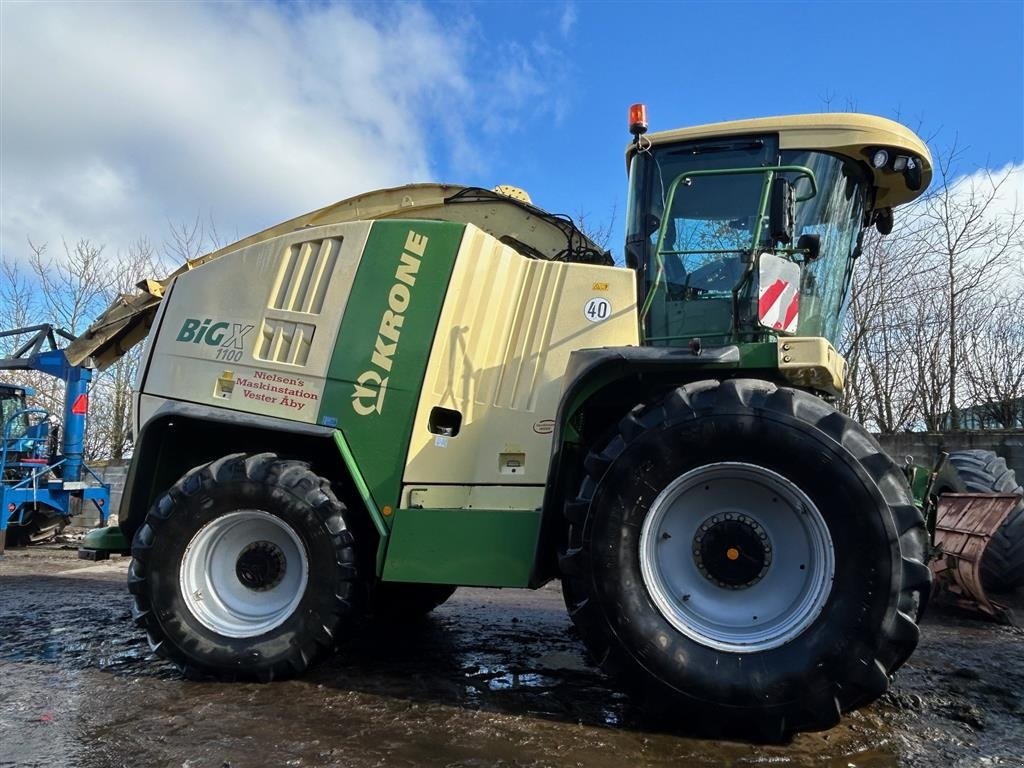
[[736, 557], [244, 573], [732, 550], [261, 566]]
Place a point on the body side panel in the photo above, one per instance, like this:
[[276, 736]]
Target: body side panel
[[255, 331], [503, 342], [470, 547]]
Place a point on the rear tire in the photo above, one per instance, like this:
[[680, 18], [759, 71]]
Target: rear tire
[[41, 527], [685, 636], [1002, 566], [244, 569]]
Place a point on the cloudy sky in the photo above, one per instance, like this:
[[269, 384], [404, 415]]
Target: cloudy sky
[[118, 118]]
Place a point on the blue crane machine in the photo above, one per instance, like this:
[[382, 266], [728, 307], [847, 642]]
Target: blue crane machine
[[44, 480]]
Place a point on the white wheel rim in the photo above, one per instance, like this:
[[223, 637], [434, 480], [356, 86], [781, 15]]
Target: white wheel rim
[[244, 573], [780, 578]]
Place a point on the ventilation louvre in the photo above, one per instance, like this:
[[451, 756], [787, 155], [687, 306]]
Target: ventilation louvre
[[284, 341], [301, 288], [305, 274]]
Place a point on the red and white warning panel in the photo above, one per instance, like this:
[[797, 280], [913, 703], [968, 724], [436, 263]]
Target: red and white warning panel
[[778, 300]]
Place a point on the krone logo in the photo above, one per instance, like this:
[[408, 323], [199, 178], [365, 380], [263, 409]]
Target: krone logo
[[372, 384], [368, 395]]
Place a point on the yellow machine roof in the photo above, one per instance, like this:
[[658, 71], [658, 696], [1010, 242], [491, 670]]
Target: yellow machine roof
[[844, 133]]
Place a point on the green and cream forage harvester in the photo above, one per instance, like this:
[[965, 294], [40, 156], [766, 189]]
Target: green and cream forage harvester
[[419, 388]]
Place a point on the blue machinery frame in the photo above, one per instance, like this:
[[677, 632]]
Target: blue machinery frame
[[29, 483]]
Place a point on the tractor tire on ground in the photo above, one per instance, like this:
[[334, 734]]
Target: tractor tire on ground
[[244, 569], [1002, 565], [396, 601], [40, 528], [744, 554]]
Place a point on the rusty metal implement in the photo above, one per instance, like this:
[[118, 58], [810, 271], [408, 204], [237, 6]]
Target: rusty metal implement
[[964, 527]]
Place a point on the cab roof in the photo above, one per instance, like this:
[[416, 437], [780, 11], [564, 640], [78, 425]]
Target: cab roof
[[845, 133]]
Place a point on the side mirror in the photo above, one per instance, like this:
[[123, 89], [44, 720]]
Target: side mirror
[[780, 211], [883, 220], [810, 245]]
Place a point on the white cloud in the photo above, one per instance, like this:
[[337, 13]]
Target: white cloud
[[998, 194], [119, 117], [116, 118], [1005, 185], [980, 211]]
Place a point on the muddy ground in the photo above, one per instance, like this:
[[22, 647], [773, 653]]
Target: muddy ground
[[492, 678]]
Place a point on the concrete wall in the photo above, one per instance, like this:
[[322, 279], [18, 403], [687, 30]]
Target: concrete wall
[[925, 446], [113, 472]]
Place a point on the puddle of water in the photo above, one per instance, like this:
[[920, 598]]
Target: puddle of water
[[517, 680]]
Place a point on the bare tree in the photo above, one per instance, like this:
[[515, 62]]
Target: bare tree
[[994, 361], [601, 232], [188, 240], [976, 250], [916, 298], [70, 291], [879, 323], [925, 341], [15, 298], [17, 310], [112, 388]]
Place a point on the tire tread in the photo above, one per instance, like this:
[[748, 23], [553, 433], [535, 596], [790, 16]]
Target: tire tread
[[868, 677], [294, 477]]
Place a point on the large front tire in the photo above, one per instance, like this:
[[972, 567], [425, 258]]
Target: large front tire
[[744, 553], [244, 569]]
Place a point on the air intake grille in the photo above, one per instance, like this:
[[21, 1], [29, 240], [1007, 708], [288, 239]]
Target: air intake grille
[[301, 287], [306, 271], [283, 341]]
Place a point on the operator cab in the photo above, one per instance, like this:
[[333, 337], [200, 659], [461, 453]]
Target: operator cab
[[748, 230], [22, 438], [13, 416]]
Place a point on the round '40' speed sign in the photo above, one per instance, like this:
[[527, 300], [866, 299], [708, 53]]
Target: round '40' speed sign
[[597, 309]]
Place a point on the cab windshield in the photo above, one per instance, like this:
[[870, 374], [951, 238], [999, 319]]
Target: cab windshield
[[10, 403], [698, 219]]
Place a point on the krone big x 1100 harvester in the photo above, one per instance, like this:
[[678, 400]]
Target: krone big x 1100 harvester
[[431, 386]]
